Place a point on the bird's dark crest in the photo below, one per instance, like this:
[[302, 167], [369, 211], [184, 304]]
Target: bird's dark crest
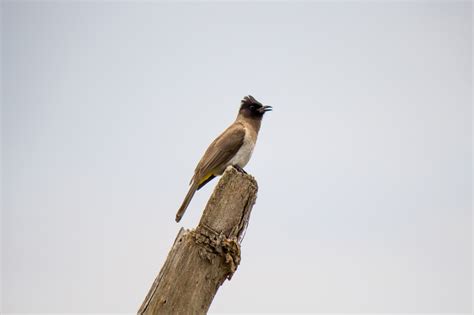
[[249, 100]]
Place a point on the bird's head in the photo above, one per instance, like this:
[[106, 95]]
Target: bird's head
[[251, 108]]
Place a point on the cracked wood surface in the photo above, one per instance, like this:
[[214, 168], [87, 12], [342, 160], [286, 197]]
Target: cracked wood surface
[[201, 259]]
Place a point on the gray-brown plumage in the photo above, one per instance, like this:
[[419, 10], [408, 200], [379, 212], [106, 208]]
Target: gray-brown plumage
[[233, 147]]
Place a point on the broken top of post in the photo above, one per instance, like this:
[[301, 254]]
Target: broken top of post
[[228, 210]]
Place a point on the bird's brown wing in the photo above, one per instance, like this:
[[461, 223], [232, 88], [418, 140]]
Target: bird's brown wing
[[218, 154], [221, 150]]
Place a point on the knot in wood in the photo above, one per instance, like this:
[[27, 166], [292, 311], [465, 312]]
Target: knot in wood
[[217, 245]]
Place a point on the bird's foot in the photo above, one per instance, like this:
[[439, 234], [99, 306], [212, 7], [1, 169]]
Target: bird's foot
[[240, 169]]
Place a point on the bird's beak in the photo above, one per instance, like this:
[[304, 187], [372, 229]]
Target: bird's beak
[[264, 109]]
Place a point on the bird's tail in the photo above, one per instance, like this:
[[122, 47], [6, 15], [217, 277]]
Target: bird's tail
[[186, 201]]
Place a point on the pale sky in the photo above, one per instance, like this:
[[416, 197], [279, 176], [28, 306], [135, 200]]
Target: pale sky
[[364, 166]]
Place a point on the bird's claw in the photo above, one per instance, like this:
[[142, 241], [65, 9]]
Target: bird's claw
[[240, 169]]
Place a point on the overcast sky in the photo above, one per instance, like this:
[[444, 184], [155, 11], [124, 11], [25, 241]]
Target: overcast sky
[[364, 166]]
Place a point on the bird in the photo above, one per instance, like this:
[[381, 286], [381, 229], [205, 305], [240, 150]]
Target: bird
[[233, 147]]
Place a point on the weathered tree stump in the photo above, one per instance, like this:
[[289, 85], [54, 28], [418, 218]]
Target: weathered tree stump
[[201, 259]]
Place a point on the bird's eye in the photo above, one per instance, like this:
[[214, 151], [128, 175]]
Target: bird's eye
[[252, 107]]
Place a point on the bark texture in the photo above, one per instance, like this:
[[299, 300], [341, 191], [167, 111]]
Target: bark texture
[[201, 259]]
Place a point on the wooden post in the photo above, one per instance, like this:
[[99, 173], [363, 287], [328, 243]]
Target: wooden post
[[201, 259]]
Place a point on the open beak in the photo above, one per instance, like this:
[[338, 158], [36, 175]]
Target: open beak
[[264, 109]]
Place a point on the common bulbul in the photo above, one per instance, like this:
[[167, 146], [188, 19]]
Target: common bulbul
[[233, 147]]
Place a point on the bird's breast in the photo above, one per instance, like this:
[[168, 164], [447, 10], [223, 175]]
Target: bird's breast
[[242, 157]]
